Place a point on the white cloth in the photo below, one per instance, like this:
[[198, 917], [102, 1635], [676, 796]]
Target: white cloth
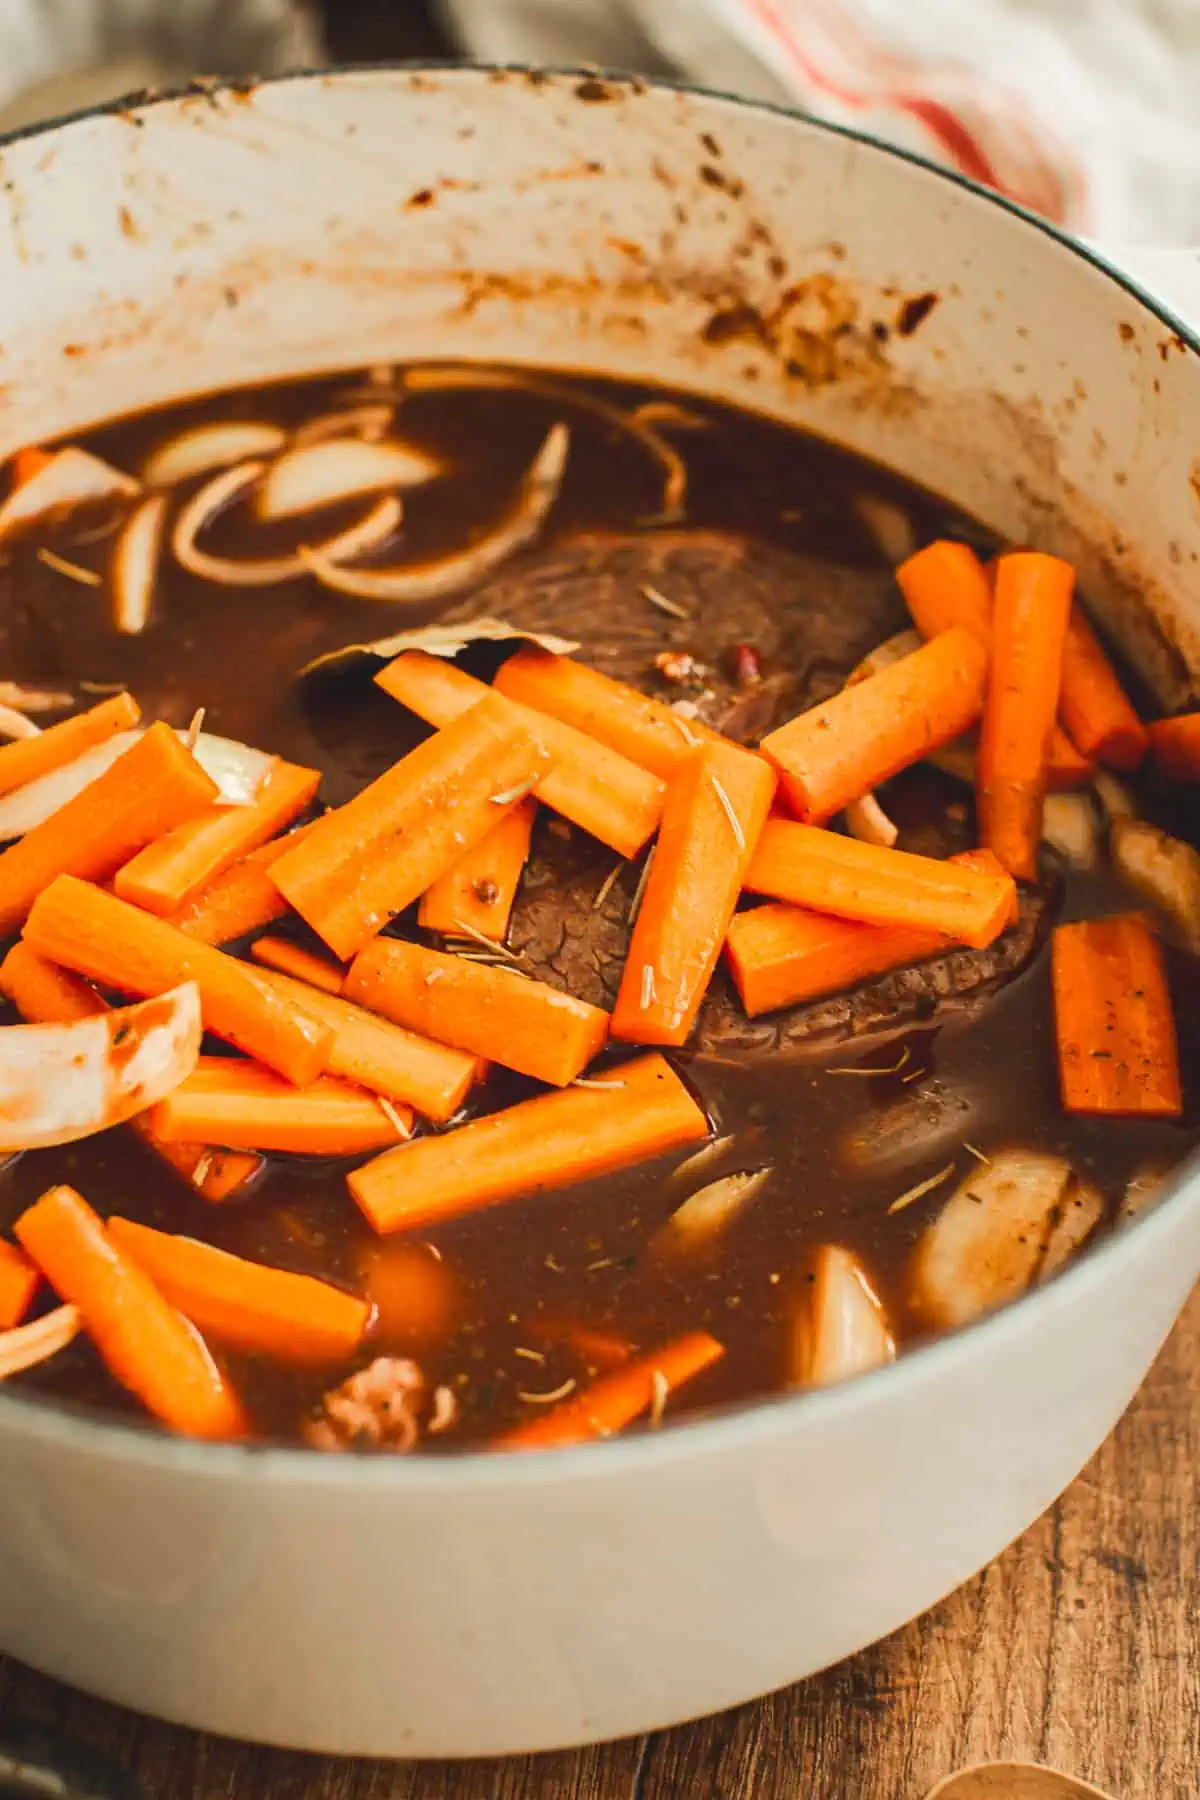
[[1085, 110]]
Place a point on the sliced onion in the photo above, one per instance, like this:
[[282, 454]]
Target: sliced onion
[[322, 474], [71, 478], [357, 540], [462, 568], [1070, 826], [203, 448], [31, 1344], [867, 821], [841, 1329], [136, 556], [1080, 1211], [31, 699], [445, 640], [370, 421], [14, 724], [1163, 870], [59, 1083], [889, 525], [705, 1214]]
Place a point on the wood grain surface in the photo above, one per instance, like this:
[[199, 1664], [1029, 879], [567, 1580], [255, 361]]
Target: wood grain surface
[[1079, 1647]]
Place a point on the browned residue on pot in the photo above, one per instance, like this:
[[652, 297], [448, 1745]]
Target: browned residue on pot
[[914, 312]]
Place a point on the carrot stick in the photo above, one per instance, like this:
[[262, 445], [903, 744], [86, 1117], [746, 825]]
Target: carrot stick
[[119, 946], [1033, 605], [1175, 746], [616, 1399], [835, 752], [241, 900], [435, 1079], [781, 955], [47, 995], [1099, 719], [716, 808], [28, 758], [543, 1143], [246, 1306], [944, 585], [170, 872], [154, 786], [601, 792], [27, 463], [599, 1349], [246, 1107], [367, 861], [815, 868], [644, 730], [1117, 1050], [19, 1282], [149, 1347], [303, 965], [495, 1013], [477, 892]]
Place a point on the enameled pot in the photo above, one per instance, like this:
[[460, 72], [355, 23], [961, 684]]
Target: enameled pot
[[488, 1604]]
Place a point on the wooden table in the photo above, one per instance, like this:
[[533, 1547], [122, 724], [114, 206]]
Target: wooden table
[[1079, 1647]]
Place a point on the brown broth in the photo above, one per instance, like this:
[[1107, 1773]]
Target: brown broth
[[583, 1252]]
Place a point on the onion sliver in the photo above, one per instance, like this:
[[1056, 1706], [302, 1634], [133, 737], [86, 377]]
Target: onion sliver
[[322, 474], [31, 1344], [463, 568], [59, 1083], [204, 448], [371, 421], [705, 1214], [357, 540], [14, 724], [71, 478], [31, 699], [842, 1329], [867, 821], [135, 564]]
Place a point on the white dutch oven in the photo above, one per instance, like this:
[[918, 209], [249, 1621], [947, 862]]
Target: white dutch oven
[[503, 1603]]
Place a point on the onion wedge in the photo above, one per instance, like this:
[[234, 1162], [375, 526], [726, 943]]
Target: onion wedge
[[370, 421], [14, 724], [31, 699], [867, 821], [368, 534], [841, 1329], [1162, 870], [463, 568], [704, 1215], [63, 1082], [341, 468], [204, 448], [71, 478], [135, 564], [31, 1344]]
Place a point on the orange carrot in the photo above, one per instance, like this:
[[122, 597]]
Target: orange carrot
[[838, 751], [119, 946], [616, 1399], [149, 1347], [716, 808], [173, 870], [495, 1013], [644, 730], [1099, 719], [19, 1282], [601, 792], [246, 1306], [1175, 746], [246, 1107], [414, 1292], [477, 892], [154, 786], [435, 1079], [241, 900], [27, 463], [1117, 1049], [812, 867], [367, 861], [571, 1135], [28, 758], [303, 965], [781, 955], [944, 585], [1033, 605], [47, 995], [599, 1349]]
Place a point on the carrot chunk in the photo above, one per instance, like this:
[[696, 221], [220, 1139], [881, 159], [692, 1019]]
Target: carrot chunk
[[246, 1107], [149, 1347], [644, 730], [601, 792], [246, 1306], [241, 900], [716, 808], [156, 785], [494, 1013], [170, 872], [302, 965], [1095, 710], [1033, 605], [1117, 1049], [1175, 746], [111, 942], [811, 867], [945, 585], [476, 893], [616, 1399], [543, 1143], [362, 864], [28, 758], [836, 752], [19, 1282]]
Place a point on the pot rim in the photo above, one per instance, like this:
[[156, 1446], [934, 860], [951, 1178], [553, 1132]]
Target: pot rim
[[138, 1441]]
